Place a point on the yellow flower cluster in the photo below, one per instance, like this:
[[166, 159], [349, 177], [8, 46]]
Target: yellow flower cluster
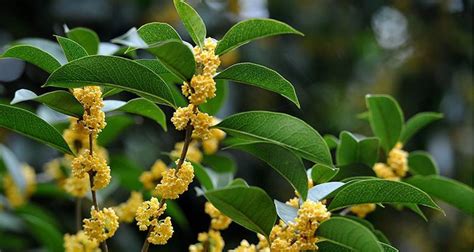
[[218, 220], [148, 211], [191, 115], [93, 118], [77, 187], [193, 153], [397, 164], [127, 210], [93, 164], [212, 239], [245, 246], [15, 195], [211, 144], [147, 217], [300, 234], [150, 178], [80, 243], [363, 209], [76, 136], [53, 169], [175, 181], [101, 225]]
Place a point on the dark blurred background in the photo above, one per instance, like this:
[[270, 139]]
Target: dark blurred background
[[421, 52]]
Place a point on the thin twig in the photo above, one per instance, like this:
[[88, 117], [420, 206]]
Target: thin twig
[[78, 214]]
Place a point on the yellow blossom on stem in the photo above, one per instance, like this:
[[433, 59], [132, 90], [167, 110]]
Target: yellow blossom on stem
[[211, 144], [193, 153], [15, 195], [93, 118], [76, 136], [175, 181], [398, 160], [218, 221], [147, 212], [201, 123], [211, 240], [92, 164], [77, 187], [161, 231], [182, 116], [80, 242], [384, 171], [150, 178], [127, 210], [363, 209], [101, 225]]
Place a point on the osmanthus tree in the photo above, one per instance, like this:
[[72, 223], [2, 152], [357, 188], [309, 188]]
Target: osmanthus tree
[[331, 197]]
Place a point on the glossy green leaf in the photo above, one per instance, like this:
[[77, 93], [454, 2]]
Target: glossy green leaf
[[386, 119], [156, 32], [348, 234], [33, 55], [418, 122], [321, 191], [87, 38], [71, 48], [44, 232], [251, 29], [380, 236], [61, 101], [285, 162], [379, 191], [157, 67], [115, 126], [203, 177], [176, 57], [448, 190], [239, 182], [30, 125], [220, 162], [331, 141], [353, 151], [249, 207], [260, 76], [281, 129], [109, 91], [46, 45], [114, 72], [421, 163], [192, 21], [214, 105], [138, 106], [322, 173]]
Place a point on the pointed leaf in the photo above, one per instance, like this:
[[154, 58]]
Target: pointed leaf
[[353, 151], [192, 21], [87, 38], [71, 48], [61, 101], [379, 191], [281, 129], [46, 45], [249, 207], [156, 32], [30, 125], [386, 119], [322, 173], [251, 29], [331, 141], [286, 212], [448, 190], [203, 176], [285, 162], [321, 191], [421, 163], [352, 236], [114, 72], [260, 76], [176, 57], [33, 55], [418, 122]]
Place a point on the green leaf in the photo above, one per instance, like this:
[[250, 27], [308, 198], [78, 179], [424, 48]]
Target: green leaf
[[418, 122], [448, 190], [220, 162], [114, 72], [286, 212], [251, 29], [331, 141], [380, 236], [192, 21], [109, 91], [176, 57], [44, 232], [421, 163], [379, 191], [61, 101], [157, 67], [352, 151], [249, 207], [386, 119], [203, 176], [33, 55], [285, 162], [322, 173], [46, 45], [156, 32], [260, 76], [139, 106], [30, 125], [281, 129], [321, 191], [346, 233], [214, 105], [115, 126], [71, 48], [85, 37], [239, 182], [177, 214]]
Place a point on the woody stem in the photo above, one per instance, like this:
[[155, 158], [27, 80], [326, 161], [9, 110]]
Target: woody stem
[[184, 151]]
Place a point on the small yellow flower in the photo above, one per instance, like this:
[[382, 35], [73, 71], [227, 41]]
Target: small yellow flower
[[127, 210], [147, 212], [93, 118], [80, 243], [211, 144], [245, 246], [95, 164], [193, 153], [294, 202], [201, 123], [213, 239], [218, 221], [384, 171], [150, 178], [398, 160], [17, 197], [53, 169], [161, 232], [363, 209], [77, 187], [182, 116], [76, 136], [101, 225], [175, 182]]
